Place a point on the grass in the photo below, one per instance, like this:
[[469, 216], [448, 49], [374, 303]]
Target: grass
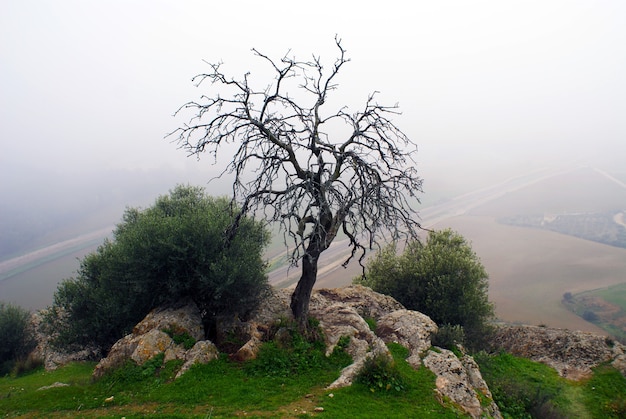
[[614, 295], [527, 389], [284, 381], [290, 382], [417, 399]]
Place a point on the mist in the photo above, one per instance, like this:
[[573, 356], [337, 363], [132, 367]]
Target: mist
[[488, 90]]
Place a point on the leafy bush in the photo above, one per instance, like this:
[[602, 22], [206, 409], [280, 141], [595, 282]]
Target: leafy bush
[[448, 336], [15, 339], [379, 373], [442, 278], [293, 354], [181, 338], [175, 249]]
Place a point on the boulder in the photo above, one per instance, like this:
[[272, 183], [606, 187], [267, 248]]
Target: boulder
[[411, 329], [155, 342], [366, 302], [119, 353], [572, 353], [202, 352], [51, 356], [338, 319], [179, 319], [151, 337], [454, 383]]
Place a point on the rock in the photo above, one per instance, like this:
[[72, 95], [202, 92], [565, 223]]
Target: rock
[[411, 329], [53, 385], [454, 383], [152, 343], [619, 362], [367, 303], [242, 339], [47, 353], [183, 318], [119, 353], [148, 339], [249, 350], [572, 353], [479, 385], [338, 320], [202, 352], [275, 306]]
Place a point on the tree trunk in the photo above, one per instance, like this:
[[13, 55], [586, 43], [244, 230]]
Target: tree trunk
[[302, 294]]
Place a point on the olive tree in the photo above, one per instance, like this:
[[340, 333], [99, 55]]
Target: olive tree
[[15, 336], [170, 251], [316, 170], [442, 278]]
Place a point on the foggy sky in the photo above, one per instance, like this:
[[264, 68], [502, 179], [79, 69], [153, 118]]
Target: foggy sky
[[89, 86]]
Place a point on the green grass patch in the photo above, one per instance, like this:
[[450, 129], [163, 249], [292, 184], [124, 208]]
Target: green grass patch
[[605, 393], [527, 389], [615, 294], [415, 400], [287, 381]]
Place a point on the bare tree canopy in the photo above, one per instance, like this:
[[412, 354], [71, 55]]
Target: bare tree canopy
[[314, 171]]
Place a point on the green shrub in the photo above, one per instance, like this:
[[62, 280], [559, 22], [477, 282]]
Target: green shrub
[[442, 278], [15, 339], [181, 338], [173, 250], [448, 336], [291, 353], [379, 373]]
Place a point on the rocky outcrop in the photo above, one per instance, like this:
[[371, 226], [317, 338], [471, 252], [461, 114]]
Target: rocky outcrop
[[341, 313], [366, 302], [338, 320], [460, 381], [153, 336], [178, 319], [202, 352], [411, 329], [572, 353], [51, 356]]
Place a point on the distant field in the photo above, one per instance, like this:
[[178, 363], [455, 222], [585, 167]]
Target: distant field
[[530, 270], [604, 307]]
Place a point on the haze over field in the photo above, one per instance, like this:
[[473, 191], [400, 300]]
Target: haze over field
[[489, 90]]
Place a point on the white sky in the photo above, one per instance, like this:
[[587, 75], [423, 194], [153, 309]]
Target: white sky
[[93, 84]]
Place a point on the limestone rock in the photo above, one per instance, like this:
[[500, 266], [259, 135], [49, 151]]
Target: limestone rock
[[454, 382], [339, 319], [53, 385], [149, 339], [411, 329], [202, 352], [479, 384], [250, 349], [151, 344], [243, 339], [572, 353], [367, 303], [46, 352], [119, 353], [179, 319], [274, 306]]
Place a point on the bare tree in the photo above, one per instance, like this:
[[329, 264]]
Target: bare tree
[[313, 171]]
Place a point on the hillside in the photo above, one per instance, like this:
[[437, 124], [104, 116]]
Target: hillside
[[346, 372]]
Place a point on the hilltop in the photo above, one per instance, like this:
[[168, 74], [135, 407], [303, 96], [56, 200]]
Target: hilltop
[[165, 368]]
